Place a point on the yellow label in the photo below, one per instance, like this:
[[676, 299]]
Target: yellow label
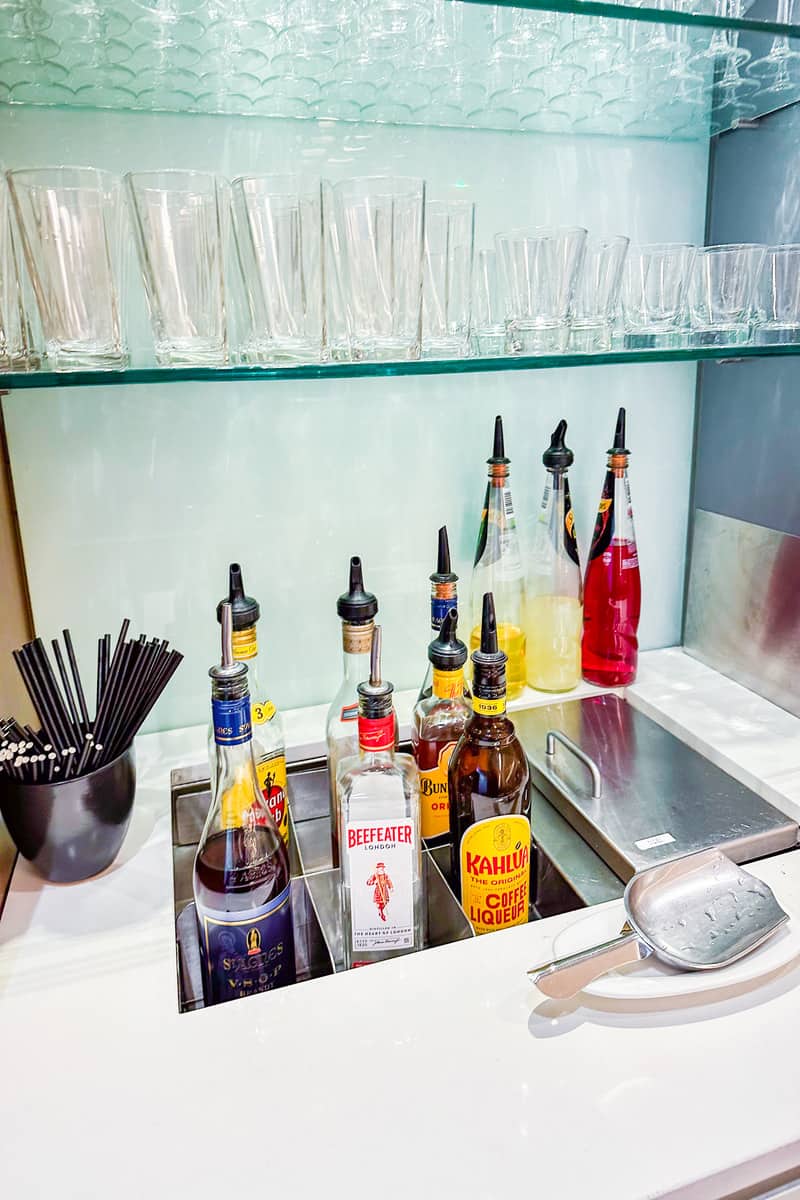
[[272, 781], [434, 802], [261, 713], [244, 643], [569, 522], [236, 800], [495, 873], [448, 685], [489, 708], [604, 505]]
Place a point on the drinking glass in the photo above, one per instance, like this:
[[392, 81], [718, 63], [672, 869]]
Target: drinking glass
[[778, 297], [540, 270], [594, 308], [380, 237], [70, 220], [17, 345], [721, 294], [447, 286], [488, 307], [279, 236], [179, 220], [337, 337], [653, 290]]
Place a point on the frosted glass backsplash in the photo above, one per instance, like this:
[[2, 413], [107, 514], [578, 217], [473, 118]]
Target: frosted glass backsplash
[[132, 500]]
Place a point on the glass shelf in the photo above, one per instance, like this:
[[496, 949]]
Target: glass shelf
[[459, 366], [568, 66]]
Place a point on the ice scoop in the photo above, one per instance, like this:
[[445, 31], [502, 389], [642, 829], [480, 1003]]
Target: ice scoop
[[695, 913]]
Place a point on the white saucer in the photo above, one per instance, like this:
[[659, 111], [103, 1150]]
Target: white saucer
[[650, 978]]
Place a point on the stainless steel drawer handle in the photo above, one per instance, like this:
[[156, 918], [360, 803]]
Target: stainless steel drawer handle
[[555, 735]]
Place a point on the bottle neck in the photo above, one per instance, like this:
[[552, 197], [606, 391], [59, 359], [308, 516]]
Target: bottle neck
[[245, 649], [489, 689], [356, 645], [448, 685], [376, 728], [444, 596]]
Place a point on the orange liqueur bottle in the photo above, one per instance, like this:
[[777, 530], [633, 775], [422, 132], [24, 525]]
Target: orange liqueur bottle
[[490, 830]]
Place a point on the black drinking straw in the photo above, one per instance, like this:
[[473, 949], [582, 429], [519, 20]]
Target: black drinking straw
[[101, 675], [40, 702], [76, 678], [72, 706], [40, 663]]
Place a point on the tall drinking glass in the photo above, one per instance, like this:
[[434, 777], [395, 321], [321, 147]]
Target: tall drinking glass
[[653, 293], [778, 298], [447, 287], [488, 307], [180, 223], [540, 271], [279, 235], [721, 294], [380, 237], [17, 338], [70, 222], [594, 308]]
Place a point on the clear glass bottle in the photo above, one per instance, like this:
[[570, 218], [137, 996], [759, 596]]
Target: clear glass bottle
[[357, 609], [553, 586], [490, 831], [498, 567], [444, 596], [613, 592], [379, 834], [241, 879], [437, 723], [269, 746]]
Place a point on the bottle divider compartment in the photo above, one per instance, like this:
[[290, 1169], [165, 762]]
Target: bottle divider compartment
[[316, 906]]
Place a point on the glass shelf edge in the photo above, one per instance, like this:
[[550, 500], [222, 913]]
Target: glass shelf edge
[[658, 16], [464, 366]]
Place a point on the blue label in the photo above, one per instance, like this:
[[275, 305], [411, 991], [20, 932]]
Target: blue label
[[247, 952], [439, 610], [232, 721]]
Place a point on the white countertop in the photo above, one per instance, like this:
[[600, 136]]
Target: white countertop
[[431, 1076]]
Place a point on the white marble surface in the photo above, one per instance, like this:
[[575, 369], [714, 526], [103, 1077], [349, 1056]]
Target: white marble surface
[[437, 1075]]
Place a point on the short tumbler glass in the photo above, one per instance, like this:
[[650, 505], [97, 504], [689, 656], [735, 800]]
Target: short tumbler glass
[[447, 286], [279, 235], [777, 320], [540, 270], [70, 220], [594, 307], [653, 293], [379, 241], [180, 223], [722, 293]]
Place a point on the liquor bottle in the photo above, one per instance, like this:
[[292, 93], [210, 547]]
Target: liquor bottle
[[437, 723], [498, 567], [553, 587], [242, 888], [379, 833], [613, 589], [490, 832], [444, 596], [268, 741], [357, 609]]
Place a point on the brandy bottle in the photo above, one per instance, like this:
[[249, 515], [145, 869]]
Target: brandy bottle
[[379, 833], [437, 723], [242, 887], [490, 831]]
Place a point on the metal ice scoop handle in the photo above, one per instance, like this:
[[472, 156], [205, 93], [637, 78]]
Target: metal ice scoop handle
[[566, 976]]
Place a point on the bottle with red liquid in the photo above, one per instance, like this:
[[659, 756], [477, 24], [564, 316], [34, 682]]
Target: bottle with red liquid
[[613, 591]]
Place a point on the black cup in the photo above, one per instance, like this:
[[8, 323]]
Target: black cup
[[72, 829]]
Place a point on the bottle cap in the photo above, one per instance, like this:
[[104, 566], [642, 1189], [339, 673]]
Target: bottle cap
[[355, 604], [443, 574], [489, 654], [499, 449], [619, 446], [446, 652], [375, 693], [558, 457], [245, 610], [229, 671]]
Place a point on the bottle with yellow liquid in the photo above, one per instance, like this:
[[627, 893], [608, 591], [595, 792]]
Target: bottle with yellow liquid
[[498, 568], [553, 612]]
